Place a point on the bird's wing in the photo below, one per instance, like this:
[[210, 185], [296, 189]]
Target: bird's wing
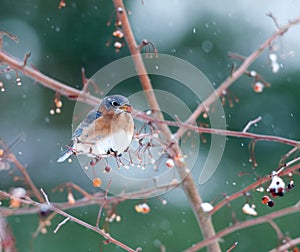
[[91, 116], [65, 154]]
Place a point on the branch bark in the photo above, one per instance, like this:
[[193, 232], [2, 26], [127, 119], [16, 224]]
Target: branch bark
[[72, 93], [245, 224], [101, 232], [249, 188], [27, 178], [236, 74], [188, 183], [46, 81], [287, 245]]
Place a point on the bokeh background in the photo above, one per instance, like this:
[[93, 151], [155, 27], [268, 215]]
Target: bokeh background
[[63, 41]]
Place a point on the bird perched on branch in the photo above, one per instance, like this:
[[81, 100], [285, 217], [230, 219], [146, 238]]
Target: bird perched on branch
[[106, 130]]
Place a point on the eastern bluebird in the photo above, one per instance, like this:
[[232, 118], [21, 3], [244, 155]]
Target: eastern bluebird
[[106, 130]]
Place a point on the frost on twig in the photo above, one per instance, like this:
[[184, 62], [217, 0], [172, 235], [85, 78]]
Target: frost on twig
[[46, 197], [250, 123], [61, 224]]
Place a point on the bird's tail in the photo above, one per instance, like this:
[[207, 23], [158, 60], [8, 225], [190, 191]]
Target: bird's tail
[[66, 154]]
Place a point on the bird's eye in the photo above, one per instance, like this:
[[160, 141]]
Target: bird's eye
[[115, 104]]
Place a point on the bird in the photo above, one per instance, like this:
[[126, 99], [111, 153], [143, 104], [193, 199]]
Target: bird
[[107, 130]]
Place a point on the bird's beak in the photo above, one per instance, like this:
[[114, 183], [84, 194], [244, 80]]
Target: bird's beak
[[126, 108]]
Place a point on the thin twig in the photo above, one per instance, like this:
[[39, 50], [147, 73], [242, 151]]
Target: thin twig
[[70, 92], [234, 55], [60, 224], [27, 178], [188, 183], [95, 229], [250, 123], [101, 232], [70, 186], [92, 100], [46, 81], [245, 224], [287, 155], [292, 162], [270, 14], [249, 188], [232, 247], [95, 199], [287, 245], [102, 205], [236, 74], [27, 56], [4, 33], [259, 137], [46, 197], [277, 230]]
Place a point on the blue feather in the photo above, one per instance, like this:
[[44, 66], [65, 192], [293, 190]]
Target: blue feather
[[91, 116], [66, 154]]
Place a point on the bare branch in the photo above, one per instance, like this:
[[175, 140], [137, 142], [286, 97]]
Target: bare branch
[[60, 224], [102, 205], [245, 224], [287, 245], [27, 178], [27, 56], [107, 236], [46, 81], [188, 184], [70, 186], [249, 188], [270, 14], [73, 93], [232, 247], [7, 239], [236, 74], [250, 123], [46, 197], [277, 230]]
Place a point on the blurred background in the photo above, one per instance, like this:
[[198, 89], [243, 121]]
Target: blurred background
[[63, 41]]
